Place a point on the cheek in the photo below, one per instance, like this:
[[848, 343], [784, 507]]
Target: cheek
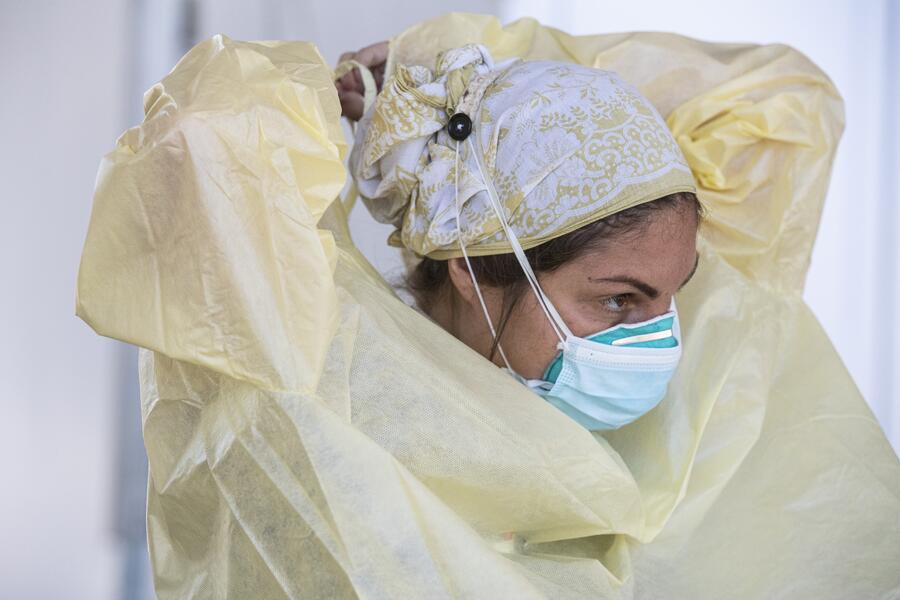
[[585, 316], [528, 339]]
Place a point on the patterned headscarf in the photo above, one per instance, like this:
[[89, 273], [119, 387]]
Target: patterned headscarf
[[565, 145]]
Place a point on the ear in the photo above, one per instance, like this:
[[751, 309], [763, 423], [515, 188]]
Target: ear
[[462, 280]]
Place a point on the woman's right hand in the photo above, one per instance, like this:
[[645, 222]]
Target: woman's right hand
[[350, 86]]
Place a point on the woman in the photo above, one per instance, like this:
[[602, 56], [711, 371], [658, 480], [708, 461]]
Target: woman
[[309, 435], [595, 291]]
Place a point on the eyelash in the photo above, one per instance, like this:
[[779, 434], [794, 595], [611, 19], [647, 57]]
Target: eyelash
[[621, 300]]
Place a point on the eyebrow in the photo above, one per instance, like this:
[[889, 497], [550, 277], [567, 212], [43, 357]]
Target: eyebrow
[[645, 288]]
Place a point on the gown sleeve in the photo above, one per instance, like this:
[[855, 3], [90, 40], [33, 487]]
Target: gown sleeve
[[203, 242]]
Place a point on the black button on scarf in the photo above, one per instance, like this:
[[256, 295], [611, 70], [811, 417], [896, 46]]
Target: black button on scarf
[[460, 126]]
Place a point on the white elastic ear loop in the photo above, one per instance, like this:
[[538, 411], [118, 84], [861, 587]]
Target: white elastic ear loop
[[676, 329], [462, 247], [556, 321]]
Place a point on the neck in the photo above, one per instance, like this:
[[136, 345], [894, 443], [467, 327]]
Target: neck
[[459, 320]]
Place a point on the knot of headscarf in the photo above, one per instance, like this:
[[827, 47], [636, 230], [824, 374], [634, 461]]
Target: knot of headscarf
[[565, 145], [413, 105], [455, 69]]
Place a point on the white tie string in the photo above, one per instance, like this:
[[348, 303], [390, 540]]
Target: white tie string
[[462, 247], [556, 321]]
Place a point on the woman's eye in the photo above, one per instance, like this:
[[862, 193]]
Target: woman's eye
[[616, 303]]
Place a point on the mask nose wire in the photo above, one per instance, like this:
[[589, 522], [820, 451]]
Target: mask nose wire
[[556, 321], [462, 247]]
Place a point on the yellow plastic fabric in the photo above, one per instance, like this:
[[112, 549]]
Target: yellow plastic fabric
[[310, 436]]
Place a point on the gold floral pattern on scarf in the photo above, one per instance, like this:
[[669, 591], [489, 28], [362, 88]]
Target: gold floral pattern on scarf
[[565, 145]]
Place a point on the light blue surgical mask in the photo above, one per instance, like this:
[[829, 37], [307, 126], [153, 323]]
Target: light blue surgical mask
[[611, 378], [602, 381]]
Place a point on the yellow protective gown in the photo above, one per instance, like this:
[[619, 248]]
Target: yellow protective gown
[[311, 436]]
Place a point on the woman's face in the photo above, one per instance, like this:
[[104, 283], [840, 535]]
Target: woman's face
[[630, 279]]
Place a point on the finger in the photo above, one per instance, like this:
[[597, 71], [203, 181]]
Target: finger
[[375, 54], [378, 74], [346, 56], [341, 83], [350, 83], [351, 105]]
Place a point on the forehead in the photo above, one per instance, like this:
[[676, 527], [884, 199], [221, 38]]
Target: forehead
[[660, 252]]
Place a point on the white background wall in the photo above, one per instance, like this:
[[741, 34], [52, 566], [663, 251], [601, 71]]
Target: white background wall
[[72, 74], [63, 84]]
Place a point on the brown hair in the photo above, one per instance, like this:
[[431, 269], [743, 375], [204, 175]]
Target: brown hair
[[430, 278]]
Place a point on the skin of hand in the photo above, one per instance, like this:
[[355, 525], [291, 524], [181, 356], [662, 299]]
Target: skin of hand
[[350, 86], [630, 279]]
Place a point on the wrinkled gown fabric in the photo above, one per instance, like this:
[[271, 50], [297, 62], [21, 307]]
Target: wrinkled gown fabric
[[311, 436]]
